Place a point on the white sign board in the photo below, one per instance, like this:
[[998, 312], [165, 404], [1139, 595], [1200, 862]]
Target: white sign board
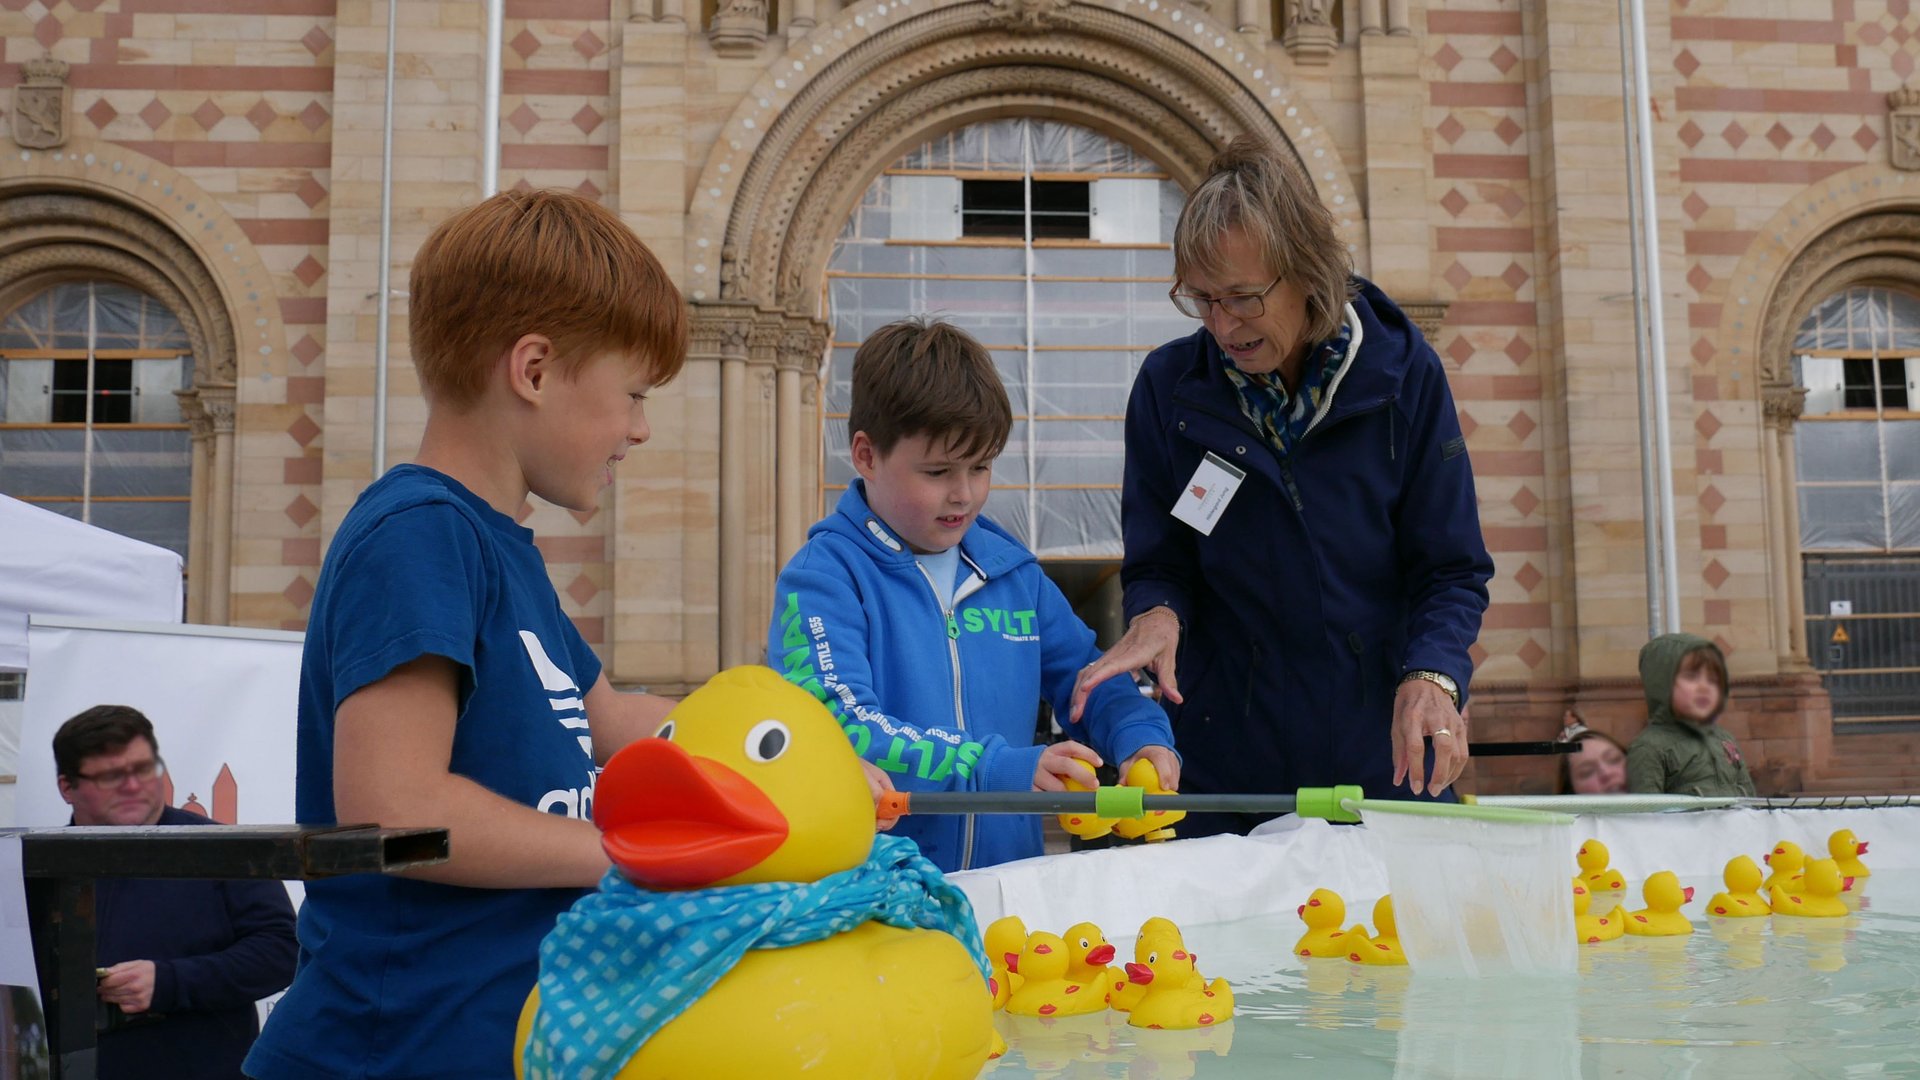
[[223, 702]]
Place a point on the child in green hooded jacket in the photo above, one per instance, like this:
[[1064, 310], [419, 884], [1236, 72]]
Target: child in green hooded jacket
[[1683, 751]]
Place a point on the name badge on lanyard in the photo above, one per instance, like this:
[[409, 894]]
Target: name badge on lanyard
[[1208, 493]]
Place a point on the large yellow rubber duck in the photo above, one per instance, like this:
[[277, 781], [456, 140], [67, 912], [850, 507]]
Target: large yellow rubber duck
[[1590, 929], [1846, 851], [1593, 857], [1088, 955], [1045, 989], [1662, 916], [1323, 913], [1816, 897], [1742, 900], [1171, 1002], [750, 781], [1155, 824], [1003, 936], [1382, 947], [1085, 826], [1157, 934], [1786, 862]]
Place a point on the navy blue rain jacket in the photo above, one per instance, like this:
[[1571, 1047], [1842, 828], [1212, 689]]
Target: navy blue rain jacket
[[1331, 573]]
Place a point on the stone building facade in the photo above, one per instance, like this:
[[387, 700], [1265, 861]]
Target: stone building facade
[[225, 158]]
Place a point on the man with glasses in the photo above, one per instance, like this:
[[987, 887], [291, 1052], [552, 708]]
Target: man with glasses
[[183, 961]]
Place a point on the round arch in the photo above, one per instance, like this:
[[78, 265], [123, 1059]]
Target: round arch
[[884, 74], [93, 209]]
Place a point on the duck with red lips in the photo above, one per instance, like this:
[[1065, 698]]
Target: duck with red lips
[[752, 924]]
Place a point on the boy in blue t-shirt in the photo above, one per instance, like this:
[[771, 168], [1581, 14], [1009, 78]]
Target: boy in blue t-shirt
[[929, 630], [442, 685]]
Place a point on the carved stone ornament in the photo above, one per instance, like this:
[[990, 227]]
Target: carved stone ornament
[[1310, 37], [1028, 16], [1903, 128], [1782, 404], [1428, 315], [739, 28], [40, 104]]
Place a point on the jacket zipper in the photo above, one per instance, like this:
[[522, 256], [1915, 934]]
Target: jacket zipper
[[967, 588]]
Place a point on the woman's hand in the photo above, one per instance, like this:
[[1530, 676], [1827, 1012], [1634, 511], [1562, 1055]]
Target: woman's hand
[[1422, 709], [1151, 643]]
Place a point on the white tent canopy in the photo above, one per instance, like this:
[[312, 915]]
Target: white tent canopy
[[54, 565]]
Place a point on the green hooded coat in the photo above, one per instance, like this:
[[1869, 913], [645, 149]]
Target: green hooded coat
[[1675, 756]]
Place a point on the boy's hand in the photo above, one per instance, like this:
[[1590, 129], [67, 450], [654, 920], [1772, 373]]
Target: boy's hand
[[1054, 764], [1152, 641], [880, 784], [1165, 762]]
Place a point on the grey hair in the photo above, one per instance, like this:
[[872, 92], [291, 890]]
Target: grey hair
[[1255, 188]]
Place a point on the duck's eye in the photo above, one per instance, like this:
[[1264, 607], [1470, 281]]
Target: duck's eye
[[1085, 944], [768, 740], [1152, 958], [665, 732]]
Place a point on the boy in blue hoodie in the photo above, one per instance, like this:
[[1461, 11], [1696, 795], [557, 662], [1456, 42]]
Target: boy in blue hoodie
[[929, 630]]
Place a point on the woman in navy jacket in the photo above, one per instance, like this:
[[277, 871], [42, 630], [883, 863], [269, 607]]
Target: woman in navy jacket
[[1302, 540]]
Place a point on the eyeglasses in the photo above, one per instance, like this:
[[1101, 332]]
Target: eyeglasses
[[1239, 305], [142, 771]]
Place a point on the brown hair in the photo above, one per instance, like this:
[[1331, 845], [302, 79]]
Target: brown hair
[[538, 262], [103, 729], [926, 377], [1253, 187]]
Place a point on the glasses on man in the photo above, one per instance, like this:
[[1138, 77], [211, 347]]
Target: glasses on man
[[1250, 305], [142, 771]]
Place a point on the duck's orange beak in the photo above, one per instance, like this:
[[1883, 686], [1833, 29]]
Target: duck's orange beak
[[670, 820], [1688, 892], [1140, 974], [1101, 955], [1860, 848]]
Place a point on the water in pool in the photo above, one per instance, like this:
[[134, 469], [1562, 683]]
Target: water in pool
[[1745, 999]]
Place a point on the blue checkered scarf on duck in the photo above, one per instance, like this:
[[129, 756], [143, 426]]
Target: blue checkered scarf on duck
[[626, 960]]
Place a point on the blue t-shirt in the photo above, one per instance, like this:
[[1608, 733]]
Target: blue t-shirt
[[403, 978]]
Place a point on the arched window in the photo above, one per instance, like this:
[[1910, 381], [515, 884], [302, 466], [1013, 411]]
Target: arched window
[[1857, 459], [1052, 245], [89, 424]]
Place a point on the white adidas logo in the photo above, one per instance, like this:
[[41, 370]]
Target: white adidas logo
[[563, 697]]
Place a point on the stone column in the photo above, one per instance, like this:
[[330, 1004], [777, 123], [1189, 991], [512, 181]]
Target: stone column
[[1399, 24], [199, 527], [734, 336], [800, 351], [1394, 102], [1371, 21], [1783, 404], [218, 403]]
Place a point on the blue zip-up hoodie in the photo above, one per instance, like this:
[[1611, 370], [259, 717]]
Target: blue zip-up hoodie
[[1331, 572], [946, 700]]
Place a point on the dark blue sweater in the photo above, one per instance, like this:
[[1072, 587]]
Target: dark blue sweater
[[1332, 572], [217, 947]]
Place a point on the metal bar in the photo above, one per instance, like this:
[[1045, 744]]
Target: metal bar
[[496, 12], [1519, 749], [60, 912], [1082, 802], [284, 852], [381, 330]]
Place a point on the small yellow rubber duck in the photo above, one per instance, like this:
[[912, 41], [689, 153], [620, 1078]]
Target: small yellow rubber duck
[[1155, 824], [1593, 857], [1382, 947], [1088, 955], [1084, 826], [1742, 898], [1171, 1001], [1046, 990], [1595, 929], [1846, 852], [1662, 916], [1323, 913], [1005, 935], [1786, 860], [1817, 897], [1156, 935]]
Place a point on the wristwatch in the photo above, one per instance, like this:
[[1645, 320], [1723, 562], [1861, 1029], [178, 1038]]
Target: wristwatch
[[1436, 678]]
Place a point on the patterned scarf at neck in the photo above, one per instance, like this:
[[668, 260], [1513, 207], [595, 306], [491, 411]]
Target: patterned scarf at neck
[[1282, 418], [626, 960]]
